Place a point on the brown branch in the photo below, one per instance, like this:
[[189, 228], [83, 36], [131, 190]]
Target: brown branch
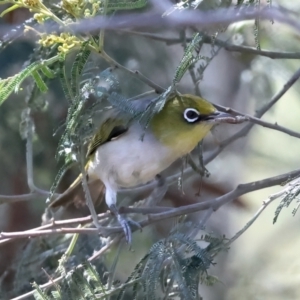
[[211, 206], [215, 204], [258, 121], [54, 224], [271, 198], [228, 46], [245, 130], [42, 286], [137, 74], [36, 194], [240, 190], [185, 18]]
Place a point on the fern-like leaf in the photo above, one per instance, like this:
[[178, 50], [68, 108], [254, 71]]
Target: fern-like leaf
[[13, 83], [64, 81], [188, 58], [290, 195], [125, 4], [77, 67], [39, 294], [39, 81]]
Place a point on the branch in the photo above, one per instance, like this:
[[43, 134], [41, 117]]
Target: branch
[[259, 121], [54, 224], [271, 198], [37, 194], [209, 40], [240, 190], [212, 205], [245, 130], [184, 18], [18, 198], [137, 74]]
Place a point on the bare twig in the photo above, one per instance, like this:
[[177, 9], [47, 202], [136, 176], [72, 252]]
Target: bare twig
[[260, 122], [241, 189], [42, 286], [270, 199], [201, 19], [37, 194], [169, 213], [136, 74], [55, 224], [245, 130], [226, 45]]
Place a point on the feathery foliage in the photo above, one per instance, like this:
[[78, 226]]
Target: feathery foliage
[[291, 193]]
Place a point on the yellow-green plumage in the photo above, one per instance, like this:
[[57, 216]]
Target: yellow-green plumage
[[173, 131], [120, 158]]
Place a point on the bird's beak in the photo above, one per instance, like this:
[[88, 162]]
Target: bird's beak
[[220, 117]]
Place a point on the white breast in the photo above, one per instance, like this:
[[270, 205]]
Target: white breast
[[131, 159]]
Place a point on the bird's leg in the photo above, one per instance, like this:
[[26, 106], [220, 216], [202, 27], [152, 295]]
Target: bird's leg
[[125, 223], [111, 199], [158, 192]]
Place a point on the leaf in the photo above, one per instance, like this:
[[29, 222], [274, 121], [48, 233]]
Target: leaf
[[188, 58], [124, 5], [64, 81], [287, 199], [39, 81], [39, 294], [47, 72], [94, 277], [67, 165], [9, 9], [77, 67], [13, 83]]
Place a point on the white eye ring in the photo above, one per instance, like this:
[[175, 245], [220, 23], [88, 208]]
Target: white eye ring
[[191, 115]]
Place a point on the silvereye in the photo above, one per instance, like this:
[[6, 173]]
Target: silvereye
[[123, 154]]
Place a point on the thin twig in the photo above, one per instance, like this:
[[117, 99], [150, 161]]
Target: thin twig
[[216, 203], [226, 45], [37, 194], [29, 152], [245, 130], [258, 121], [42, 286], [136, 74], [271, 198], [201, 19], [55, 224]]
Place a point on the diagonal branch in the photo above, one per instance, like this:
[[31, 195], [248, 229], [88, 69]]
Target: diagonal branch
[[240, 190], [209, 40]]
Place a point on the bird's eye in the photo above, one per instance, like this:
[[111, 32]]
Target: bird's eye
[[191, 115]]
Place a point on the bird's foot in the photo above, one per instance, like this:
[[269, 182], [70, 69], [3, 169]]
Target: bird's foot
[[125, 223]]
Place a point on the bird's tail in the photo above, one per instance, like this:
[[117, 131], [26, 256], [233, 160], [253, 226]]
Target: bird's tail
[[74, 194], [67, 196]]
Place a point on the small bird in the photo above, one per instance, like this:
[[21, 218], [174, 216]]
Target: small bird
[[124, 154]]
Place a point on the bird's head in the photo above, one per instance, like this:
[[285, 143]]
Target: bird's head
[[184, 121]]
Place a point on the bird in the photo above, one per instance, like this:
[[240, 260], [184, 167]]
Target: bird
[[124, 154]]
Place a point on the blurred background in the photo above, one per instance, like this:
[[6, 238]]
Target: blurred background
[[264, 262]]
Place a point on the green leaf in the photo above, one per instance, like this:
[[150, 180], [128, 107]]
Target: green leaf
[[188, 58], [9, 9], [124, 5], [39, 294], [13, 83], [77, 67], [64, 81], [39, 81], [47, 72]]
